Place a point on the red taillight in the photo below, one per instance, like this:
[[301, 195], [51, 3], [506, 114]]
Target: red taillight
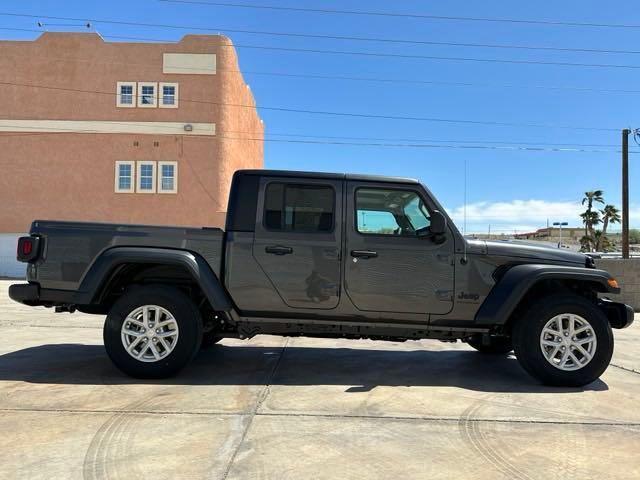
[[27, 247]]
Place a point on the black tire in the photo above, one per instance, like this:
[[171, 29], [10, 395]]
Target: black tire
[[495, 346], [527, 346], [187, 318]]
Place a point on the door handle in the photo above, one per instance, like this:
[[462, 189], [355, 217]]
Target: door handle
[[363, 254], [278, 250]]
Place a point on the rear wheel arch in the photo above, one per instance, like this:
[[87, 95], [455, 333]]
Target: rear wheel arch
[[118, 268]]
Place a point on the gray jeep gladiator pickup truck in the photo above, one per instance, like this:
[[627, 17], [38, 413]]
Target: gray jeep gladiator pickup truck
[[325, 255]]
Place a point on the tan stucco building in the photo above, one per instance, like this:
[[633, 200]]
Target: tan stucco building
[[123, 132]]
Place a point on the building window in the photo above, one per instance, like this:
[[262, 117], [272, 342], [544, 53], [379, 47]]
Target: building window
[[299, 208], [167, 177], [146, 177], [168, 95], [125, 177], [147, 94], [126, 94]]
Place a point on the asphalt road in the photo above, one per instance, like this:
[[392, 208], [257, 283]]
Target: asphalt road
[[303, 409]]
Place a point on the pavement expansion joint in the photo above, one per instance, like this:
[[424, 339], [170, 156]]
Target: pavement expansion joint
[[626, 369], [319, 415], [261, 398]]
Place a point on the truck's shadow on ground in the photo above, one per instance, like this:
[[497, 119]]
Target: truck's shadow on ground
[[356, 369]]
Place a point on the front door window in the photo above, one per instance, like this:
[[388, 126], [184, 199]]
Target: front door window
[[390, 212]]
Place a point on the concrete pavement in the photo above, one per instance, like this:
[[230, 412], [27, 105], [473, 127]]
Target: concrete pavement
[[303, 408]]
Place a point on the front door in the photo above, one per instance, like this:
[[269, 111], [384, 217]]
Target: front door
[[390, 266], [297, 240]]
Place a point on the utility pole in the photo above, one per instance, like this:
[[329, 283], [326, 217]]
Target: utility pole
[[625, 192]]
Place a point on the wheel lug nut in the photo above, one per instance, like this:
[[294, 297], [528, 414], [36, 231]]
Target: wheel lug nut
[[155, 340], [157, 330]]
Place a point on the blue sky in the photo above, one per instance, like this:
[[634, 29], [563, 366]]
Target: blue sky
[[507, 189]]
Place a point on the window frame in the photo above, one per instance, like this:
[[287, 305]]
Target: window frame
[[160, 176], [161, 86], [132, 188], [284, 197], [154, 176], [384, 235], [154, 104], [134, 94]]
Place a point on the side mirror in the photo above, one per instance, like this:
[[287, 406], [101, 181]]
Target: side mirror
[[438, 223], [437, 229]]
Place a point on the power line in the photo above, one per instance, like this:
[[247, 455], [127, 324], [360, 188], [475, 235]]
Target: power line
[[321, 142], [436, 57], [348, 114], [353, 38], [407, 15], [434, 140], [414, 141], [354, 78], [429, 57]]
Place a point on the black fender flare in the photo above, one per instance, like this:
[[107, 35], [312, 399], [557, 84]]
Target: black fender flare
[[518, 280], [94, 279]]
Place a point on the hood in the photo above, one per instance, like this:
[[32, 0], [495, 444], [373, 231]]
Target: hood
[[526, 251]]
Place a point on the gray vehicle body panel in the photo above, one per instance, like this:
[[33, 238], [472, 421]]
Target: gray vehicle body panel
[[412, 283], [70, 248]]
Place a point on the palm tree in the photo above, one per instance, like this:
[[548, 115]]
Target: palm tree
[[610, 214], [591, 217], [590, 220], [592, 196]]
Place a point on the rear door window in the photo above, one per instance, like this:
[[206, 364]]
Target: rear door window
[[299, 208]]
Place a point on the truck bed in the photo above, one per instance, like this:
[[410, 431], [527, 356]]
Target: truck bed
[[70, 247]]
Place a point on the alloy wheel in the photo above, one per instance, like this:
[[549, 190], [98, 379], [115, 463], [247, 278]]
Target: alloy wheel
[[568, 342], [149, 333]]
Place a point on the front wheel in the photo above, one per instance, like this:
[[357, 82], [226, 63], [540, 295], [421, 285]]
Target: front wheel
[[563, 340], [152, 332]]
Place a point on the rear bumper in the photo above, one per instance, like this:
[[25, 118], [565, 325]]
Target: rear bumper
[[27, 293], [31, 294], [620, 315]]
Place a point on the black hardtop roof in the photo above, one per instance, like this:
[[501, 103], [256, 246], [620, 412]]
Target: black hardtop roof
[[328, 176]]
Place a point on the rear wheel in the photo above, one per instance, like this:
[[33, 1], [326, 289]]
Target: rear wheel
[[492, 345], [152, 332], [563, 340]]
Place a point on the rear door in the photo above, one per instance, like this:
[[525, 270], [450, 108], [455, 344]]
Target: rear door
[[388, 266], [297, 239]]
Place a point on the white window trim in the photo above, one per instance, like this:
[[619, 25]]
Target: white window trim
[[117, 177], [155, 94], [133, 95], [161, 86], [175, 177], [139, 177]]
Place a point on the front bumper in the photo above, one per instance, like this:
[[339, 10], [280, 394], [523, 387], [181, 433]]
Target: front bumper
[[620, 315]]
